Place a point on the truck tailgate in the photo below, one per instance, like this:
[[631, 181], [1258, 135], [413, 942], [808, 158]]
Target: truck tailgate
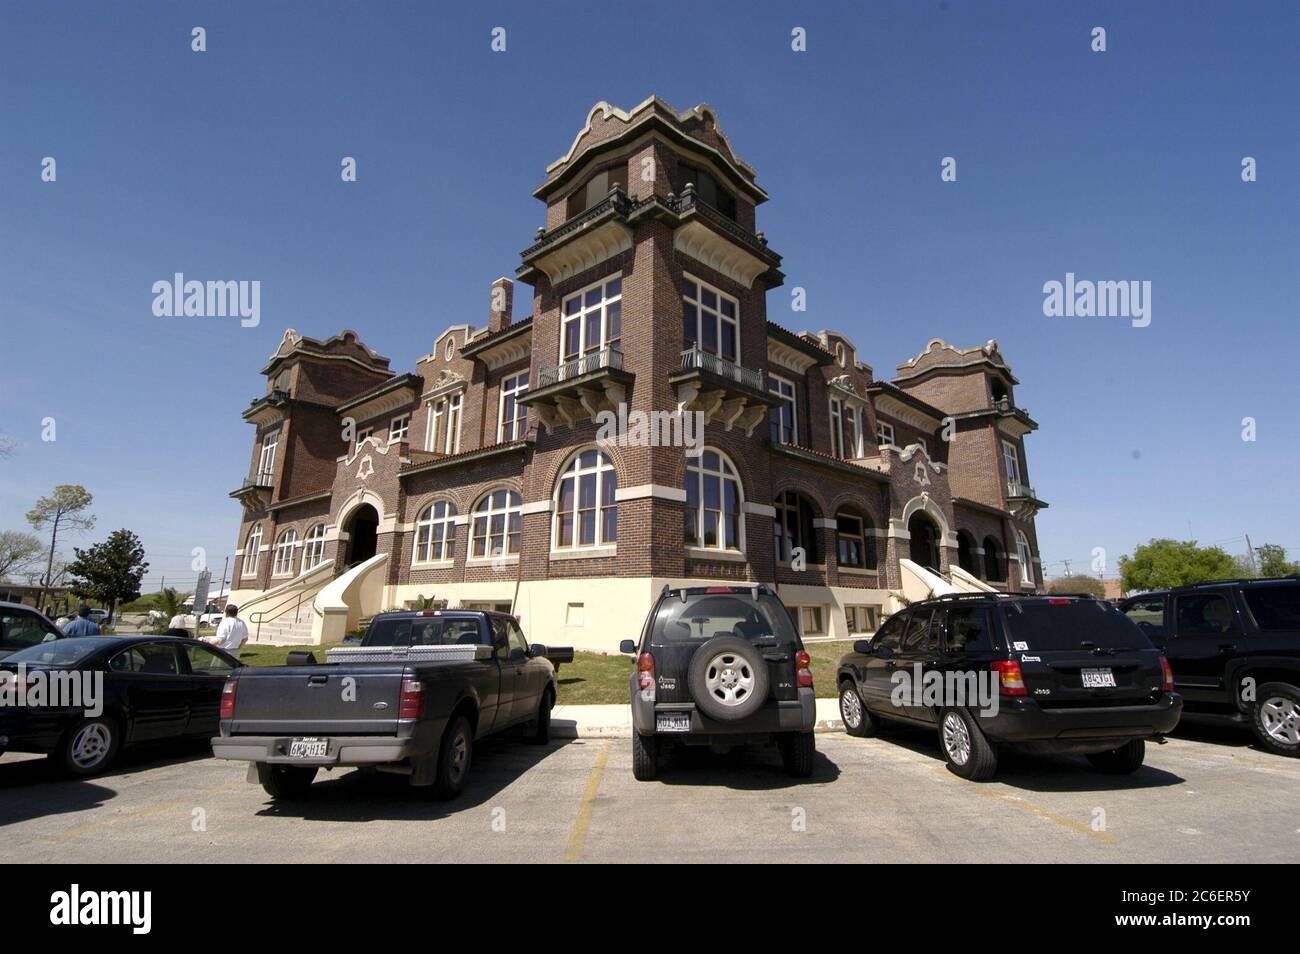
[[359, 699]]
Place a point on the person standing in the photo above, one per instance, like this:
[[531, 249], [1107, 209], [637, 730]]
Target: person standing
[[83, 625], [232, 633]]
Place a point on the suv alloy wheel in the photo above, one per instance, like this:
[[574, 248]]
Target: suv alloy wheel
[[964, 746], [1275, 717]]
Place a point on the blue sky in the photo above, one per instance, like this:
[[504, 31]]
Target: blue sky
[[225, 164]]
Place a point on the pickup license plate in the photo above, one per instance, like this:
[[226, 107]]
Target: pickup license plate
[[308, 748], [673, 722], [1098, 679]]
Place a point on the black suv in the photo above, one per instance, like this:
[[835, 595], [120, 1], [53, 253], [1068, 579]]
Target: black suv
[[1047, 674], [1235, 650], [721, 666]]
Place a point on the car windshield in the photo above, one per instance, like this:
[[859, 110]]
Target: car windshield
[[702, 616], [424, 631], [58, 652], [1034, 625]]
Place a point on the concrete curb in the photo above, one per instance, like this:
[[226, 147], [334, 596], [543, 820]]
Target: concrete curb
[[615, 721]]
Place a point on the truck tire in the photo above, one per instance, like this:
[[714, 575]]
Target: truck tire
[[798, 750], [88, 748], [728, 678], [645, 757], [965, 747], [454, 757], [541, 733], [857, 719], [286, 781], [1275, 718], [1122, 761]]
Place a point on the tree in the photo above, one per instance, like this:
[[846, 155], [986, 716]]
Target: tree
[[1273, 561], [1078, 584], [111, 571], [65, 509], [18, 552], [1160, 564]]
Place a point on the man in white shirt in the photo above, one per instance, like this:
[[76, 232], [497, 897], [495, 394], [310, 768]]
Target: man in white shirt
[[232, 633]]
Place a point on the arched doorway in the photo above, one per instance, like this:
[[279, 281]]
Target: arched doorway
[[966, 553], [362, 528], [925, 541], [995, 567]]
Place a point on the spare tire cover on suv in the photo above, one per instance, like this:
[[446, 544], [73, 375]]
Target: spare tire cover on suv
[[728, 678]]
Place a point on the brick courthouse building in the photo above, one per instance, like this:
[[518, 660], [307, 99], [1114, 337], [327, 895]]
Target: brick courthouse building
[[480, 480]]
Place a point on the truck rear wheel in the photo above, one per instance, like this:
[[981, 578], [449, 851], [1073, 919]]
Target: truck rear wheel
[[645, 757], [454, 757], [286, 781], [541, 733]]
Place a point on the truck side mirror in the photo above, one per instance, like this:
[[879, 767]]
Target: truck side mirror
[[537, 649], [862, 646], [627, 646], [883, 652]]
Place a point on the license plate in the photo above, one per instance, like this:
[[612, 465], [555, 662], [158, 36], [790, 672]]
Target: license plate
[[308, 748], [1098, 679], [673, 722]]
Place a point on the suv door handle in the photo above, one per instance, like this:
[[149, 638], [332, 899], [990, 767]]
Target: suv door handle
[[1227, 647]]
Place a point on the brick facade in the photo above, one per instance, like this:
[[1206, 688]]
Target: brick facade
[[333, 404]]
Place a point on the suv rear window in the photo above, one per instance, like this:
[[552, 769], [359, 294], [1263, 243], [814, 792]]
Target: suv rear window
[[702, 616], [1068, 624], [1275, 608], [423, 631]]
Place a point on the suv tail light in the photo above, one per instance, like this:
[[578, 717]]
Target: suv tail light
[[1011, 679], [1169, 674], [228, 699], [410, 704], [645, 675], [803, 669]]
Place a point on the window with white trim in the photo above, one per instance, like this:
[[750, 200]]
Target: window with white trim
[[252, 550], [592, 320], [884, 433], [837, 427], [855, 543], [710, 320], [586, 514], [811, 621], [435, 533], [496, 520], [714, 500], [435, 421], [452, 443], [794, 527], [266, 459], [398, 428], [1011, 459], [363, 434], [861, 619], [284, 548], [443, 431], [1026, 558], [512, 422], [784, 417], [313, 549]]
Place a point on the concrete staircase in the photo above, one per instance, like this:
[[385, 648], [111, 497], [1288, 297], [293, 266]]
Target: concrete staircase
[[282, 632]]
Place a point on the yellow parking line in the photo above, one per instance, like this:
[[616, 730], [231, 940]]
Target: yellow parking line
[[132, 816], [578, 836], [1018, 802]]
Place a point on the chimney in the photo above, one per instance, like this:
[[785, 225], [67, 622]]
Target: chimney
[[500, 303]]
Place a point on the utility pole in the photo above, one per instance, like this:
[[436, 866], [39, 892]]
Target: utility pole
[[1250, 557], [1067, 567]]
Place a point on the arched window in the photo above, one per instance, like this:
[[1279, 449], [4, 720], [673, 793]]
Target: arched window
[[966, 556], [994, 565], [283, 565], [495, 528], [713, 503], [793, 527], [435, 533], [313, 551], [585, 512], [855, 542], [252, 550], [1026, 562]]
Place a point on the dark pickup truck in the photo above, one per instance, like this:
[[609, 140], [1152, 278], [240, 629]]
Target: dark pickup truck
[[411, 699]]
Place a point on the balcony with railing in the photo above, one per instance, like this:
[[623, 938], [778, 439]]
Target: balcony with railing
[[268, 408], [256, 491], [1022, 501], [724, 391], [579, 389]]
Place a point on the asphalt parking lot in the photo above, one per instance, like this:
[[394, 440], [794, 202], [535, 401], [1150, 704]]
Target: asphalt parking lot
[[1203, 797]]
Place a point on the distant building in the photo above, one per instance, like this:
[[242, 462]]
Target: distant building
[[483, 478]]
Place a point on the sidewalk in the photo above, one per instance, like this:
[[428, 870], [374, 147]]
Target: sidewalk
[[587, 722]]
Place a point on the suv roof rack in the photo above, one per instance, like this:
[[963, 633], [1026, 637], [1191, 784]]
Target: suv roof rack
[[1232, 581], [954, 597]]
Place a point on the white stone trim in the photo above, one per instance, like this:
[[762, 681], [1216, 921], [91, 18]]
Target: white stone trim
[[584, 553], [641, 491], [708, 553], [537, 506], [762, 510]]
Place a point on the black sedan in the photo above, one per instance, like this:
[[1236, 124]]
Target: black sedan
[[154, 688]]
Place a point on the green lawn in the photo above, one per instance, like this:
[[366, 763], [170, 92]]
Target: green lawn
[[258, 655]]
